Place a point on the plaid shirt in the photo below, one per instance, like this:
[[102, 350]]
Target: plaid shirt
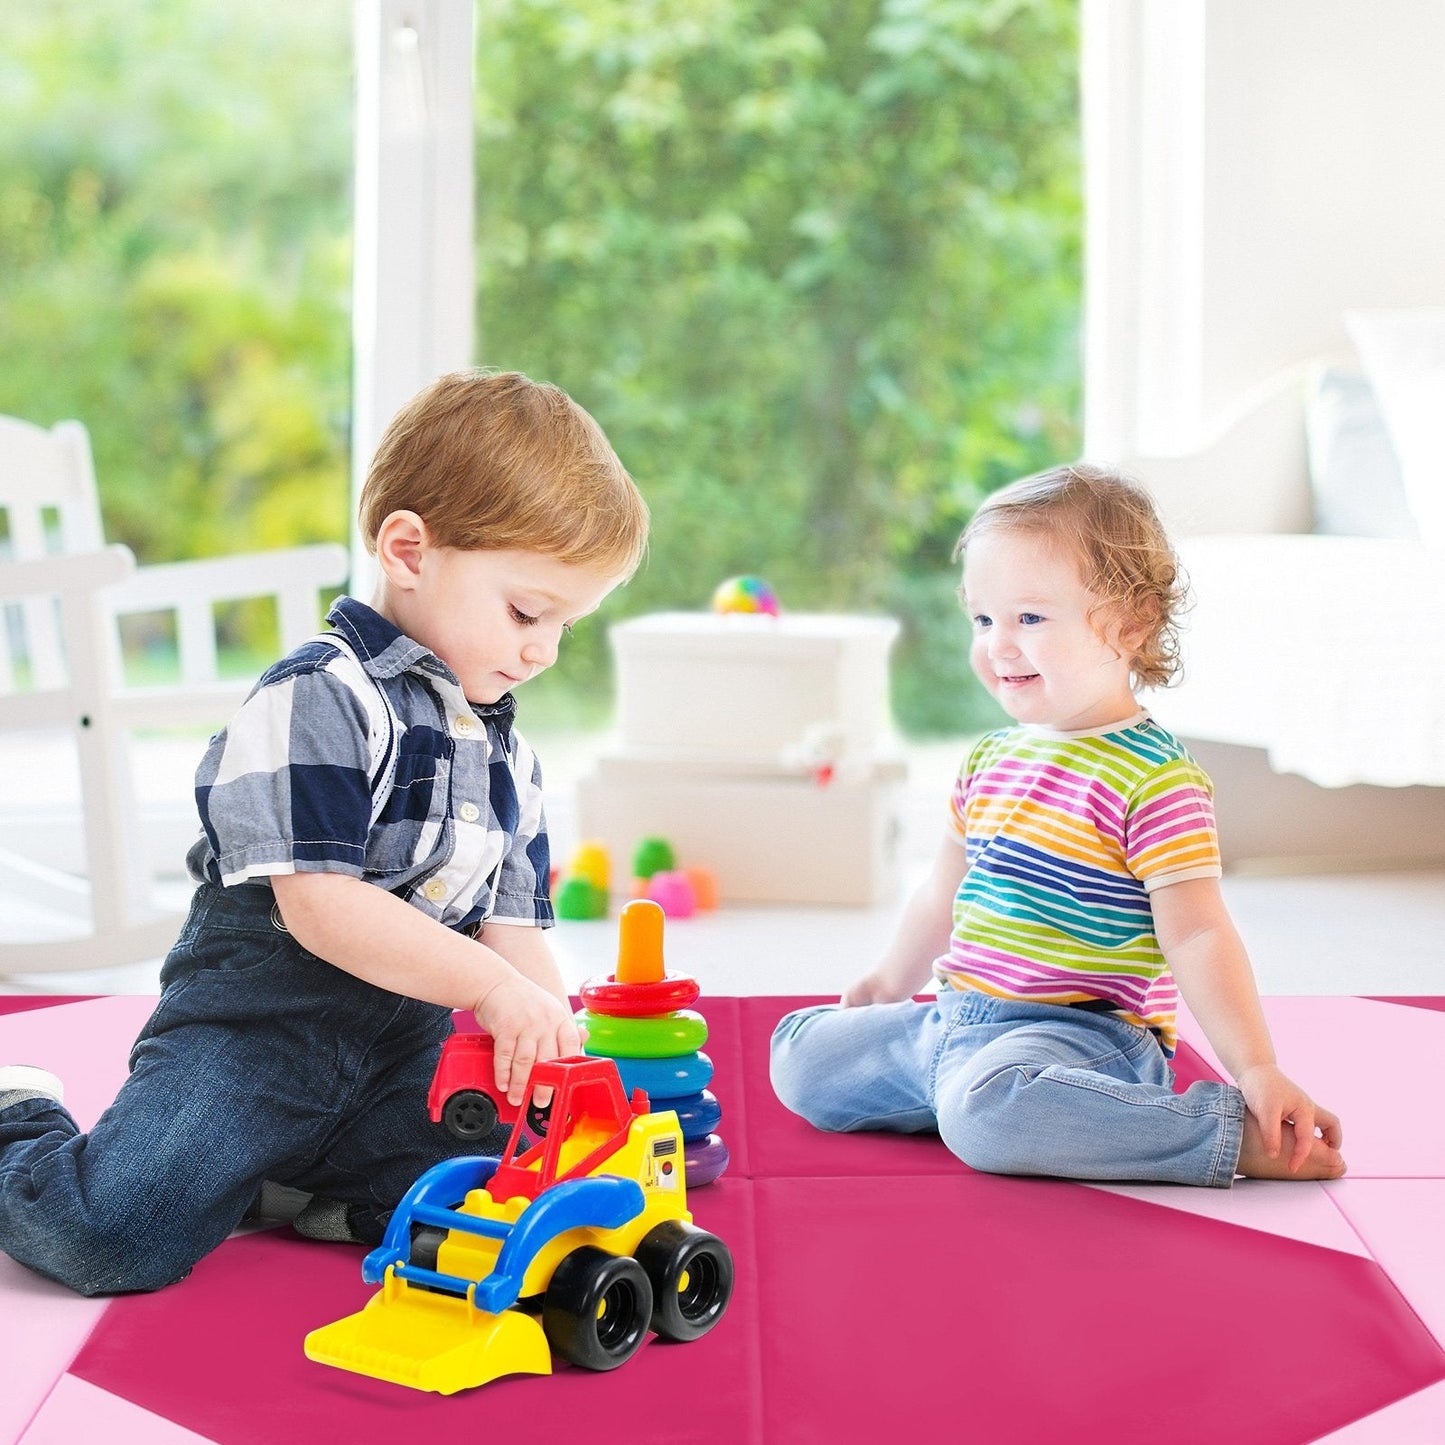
[[360, 754]]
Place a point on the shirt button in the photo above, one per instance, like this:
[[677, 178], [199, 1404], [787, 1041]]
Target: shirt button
[[469, 812], [464, 724], [436, 890]]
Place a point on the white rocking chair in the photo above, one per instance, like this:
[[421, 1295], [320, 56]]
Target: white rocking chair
[[63, 592]]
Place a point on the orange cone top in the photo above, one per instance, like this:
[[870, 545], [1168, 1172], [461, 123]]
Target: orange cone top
[[639, 943]]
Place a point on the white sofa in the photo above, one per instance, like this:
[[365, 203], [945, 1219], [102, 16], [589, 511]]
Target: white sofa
[[1312, 526]]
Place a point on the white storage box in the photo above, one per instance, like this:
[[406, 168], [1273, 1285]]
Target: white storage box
[[778, 839], [765, 692]]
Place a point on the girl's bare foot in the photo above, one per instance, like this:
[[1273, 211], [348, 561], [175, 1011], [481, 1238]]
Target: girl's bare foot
[[1322, 1162]]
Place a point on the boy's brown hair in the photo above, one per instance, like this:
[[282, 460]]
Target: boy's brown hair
[[491, 460], [1110, 524]]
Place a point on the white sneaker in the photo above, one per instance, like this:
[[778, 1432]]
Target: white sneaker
[[30, 1082]]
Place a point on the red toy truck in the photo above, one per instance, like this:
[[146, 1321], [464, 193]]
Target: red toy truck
[[464, 1097]]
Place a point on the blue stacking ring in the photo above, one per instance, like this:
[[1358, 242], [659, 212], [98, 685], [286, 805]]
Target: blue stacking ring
[[666, 1078], [698, 1114]]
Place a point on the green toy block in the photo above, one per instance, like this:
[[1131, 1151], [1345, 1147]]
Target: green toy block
[[653, 855], [580, 899]]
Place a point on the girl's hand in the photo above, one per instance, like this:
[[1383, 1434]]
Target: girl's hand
[[1275, 1099], [874, 987], [529, 1025]]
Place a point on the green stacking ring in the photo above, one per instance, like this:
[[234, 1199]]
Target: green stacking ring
[[663, 1036]]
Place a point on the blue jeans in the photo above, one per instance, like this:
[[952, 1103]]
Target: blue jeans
[[260, 1062], [1012, 1088]]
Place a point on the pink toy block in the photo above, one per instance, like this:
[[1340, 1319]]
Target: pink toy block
[[673, 893]]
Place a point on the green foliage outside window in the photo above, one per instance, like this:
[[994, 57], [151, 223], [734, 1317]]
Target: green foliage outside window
[[814, 266], [175, 239]]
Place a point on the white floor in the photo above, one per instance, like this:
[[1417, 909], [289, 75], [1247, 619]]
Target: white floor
[[1365, 933]]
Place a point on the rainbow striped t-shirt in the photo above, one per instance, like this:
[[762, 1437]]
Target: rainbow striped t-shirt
[[1066, 834]]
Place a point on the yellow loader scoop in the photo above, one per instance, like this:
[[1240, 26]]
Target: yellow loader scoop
[[431, 1341]]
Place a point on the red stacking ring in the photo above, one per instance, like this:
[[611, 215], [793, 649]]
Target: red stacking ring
[[640, 1000]]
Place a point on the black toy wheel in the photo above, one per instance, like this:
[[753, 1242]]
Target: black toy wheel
[[426, 1243], [469, 1115], [691, 1273], [538, 1119], [596, 1308]]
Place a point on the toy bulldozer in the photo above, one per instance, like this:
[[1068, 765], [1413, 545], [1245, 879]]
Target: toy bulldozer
[[579, 1244]]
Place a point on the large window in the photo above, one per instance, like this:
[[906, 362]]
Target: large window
[[814, 264], [175, 181]]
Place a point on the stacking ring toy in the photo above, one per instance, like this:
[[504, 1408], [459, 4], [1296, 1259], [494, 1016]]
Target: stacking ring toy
[[704, 1161], [640, 1000], [666, 1078], [640, 1019], [660, 1037]]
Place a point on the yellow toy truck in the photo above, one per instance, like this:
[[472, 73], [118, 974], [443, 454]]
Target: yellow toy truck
[[578, 1244]]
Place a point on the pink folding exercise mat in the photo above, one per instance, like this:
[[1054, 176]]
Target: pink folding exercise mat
[[883, 1289]]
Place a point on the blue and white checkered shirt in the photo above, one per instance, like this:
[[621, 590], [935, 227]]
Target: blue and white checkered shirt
[[360, 754]]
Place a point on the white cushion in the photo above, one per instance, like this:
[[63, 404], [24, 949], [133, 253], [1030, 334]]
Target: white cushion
[[1404, 356], [1329, 689], [1354, 475]]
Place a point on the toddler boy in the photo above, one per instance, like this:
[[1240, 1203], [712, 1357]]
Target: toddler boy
[[374, 856]]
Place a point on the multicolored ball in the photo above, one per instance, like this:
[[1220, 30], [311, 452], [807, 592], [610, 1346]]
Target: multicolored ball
[[745, 594]]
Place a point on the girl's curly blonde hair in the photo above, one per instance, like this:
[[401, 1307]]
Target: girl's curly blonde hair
[[1110, 524]]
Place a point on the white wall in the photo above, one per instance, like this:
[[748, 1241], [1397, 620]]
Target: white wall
[[1253, 168], [1323, 181]]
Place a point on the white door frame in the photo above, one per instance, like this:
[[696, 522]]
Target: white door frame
[[413, 266]]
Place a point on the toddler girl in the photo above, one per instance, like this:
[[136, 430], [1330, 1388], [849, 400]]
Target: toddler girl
[[1075, 893]]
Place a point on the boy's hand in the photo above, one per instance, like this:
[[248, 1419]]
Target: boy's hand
[[528, 1025], [1275, 1099]]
